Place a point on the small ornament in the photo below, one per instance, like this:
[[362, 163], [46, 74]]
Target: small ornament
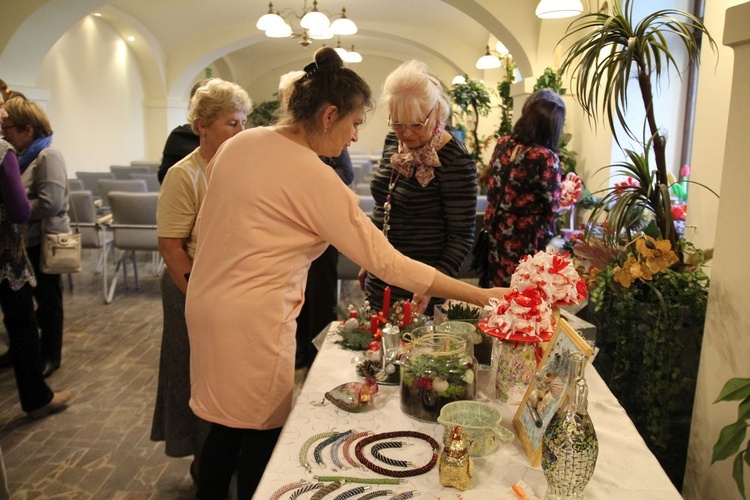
[[455, 466], [353, 396]]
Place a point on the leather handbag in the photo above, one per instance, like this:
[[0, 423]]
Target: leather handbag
[[480, 253], [61, 253]]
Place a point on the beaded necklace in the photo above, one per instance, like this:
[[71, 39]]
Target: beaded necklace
[[388, 199], [358, 452]]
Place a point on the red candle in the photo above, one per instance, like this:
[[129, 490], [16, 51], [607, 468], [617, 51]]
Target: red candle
[[374, 324], [407, 313], [352, 314], [386, 301]]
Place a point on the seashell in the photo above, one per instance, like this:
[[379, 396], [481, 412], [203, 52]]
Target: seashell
[[556, 386]]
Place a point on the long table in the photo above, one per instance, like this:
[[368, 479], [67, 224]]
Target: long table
[[625, 469]]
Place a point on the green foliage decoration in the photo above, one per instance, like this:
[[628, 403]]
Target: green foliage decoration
[[264, 114], [550, 79], [733, 435], [473, 100], [611, 52], [506, 101]]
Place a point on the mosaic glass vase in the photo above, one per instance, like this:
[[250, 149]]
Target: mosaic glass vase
[[569, 445]]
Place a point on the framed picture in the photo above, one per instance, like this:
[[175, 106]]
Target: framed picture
[[547, 390]]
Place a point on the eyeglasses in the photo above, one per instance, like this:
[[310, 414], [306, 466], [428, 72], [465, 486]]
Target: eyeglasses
[[414, 127]]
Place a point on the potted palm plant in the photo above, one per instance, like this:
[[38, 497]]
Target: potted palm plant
[[647, 290]]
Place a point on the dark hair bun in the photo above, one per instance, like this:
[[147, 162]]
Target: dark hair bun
[[328, 59]]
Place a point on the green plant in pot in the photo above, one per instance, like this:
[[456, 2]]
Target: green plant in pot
[[647, 290], [473, 101]]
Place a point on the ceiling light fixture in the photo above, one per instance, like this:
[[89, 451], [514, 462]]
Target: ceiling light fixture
[[557, 9], [352, 56], [488, 61], [314, 24]]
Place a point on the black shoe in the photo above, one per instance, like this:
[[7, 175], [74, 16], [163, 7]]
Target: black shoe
[[5, 361], [49, 367]]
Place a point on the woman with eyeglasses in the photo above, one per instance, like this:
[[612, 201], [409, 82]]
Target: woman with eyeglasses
[[425, 188], [27, 127], [17, 282]]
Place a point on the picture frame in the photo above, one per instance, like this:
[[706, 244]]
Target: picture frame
[[547, 389]]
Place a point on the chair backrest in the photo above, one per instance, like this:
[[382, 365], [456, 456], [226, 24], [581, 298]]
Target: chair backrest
[[134, 220], [481, 203], [124, 171], [75, 185], [91, 181], [367, 203], [152, 181], [106, 186], [145, 163], [83, 217]]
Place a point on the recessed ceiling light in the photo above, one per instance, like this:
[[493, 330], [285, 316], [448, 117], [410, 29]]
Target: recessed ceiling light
[[131, 39], [97, 14]]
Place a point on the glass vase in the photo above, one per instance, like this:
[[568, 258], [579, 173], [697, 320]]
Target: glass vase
[[569, 445]]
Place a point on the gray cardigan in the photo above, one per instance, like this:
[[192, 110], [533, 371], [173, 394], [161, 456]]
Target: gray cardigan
[[46, 183]]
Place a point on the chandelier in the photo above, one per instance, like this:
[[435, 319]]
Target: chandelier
[[313, 24]]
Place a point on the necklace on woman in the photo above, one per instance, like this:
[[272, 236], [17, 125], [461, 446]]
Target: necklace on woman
[[388, 200]]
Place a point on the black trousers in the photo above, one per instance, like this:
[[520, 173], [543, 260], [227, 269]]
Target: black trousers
[[227, 449], [49, 308], [320, 303], [23, 340]]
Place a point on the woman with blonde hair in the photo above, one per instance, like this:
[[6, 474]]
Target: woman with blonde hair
[[218, 111], [44, 175], [16, 288], [425, 188]]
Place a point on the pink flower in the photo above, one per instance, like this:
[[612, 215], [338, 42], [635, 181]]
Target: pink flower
[[628, 182], [685, 171]]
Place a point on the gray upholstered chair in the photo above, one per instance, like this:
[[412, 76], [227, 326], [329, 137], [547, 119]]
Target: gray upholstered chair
[[95, 234], [124, 171], [134, 229], [152, 181], [75, 185], [106, 186], [91, 181]]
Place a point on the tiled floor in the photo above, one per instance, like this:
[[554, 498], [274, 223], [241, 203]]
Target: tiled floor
[[98, 448]]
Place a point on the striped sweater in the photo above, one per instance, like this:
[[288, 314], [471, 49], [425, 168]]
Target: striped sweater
[[432, 224]]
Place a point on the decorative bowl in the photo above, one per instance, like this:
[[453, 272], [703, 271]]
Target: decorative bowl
[[480, 423]]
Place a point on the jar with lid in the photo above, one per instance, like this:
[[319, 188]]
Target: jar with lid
[[436, 370]]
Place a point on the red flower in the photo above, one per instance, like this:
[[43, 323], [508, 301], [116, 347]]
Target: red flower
[[422, 383]]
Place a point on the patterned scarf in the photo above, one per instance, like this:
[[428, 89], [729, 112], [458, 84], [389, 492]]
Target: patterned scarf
[[423, 159], [33, 151]]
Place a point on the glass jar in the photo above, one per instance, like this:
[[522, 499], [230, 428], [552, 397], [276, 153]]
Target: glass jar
[[436, 370], [462, 329], [468, 313]]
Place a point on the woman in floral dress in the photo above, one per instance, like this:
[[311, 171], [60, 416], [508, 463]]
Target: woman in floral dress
[[523, 194]]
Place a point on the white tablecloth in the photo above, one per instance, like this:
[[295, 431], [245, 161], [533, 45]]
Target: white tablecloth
[[625, 469]]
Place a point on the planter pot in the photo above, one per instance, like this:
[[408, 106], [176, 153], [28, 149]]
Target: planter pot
[[649, 356]]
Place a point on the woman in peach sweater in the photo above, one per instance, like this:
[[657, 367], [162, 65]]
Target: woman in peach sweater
[[270, 209]]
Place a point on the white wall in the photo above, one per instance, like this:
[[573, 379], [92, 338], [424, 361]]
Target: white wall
[[726, 350], [712, 110], [96, 98]]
